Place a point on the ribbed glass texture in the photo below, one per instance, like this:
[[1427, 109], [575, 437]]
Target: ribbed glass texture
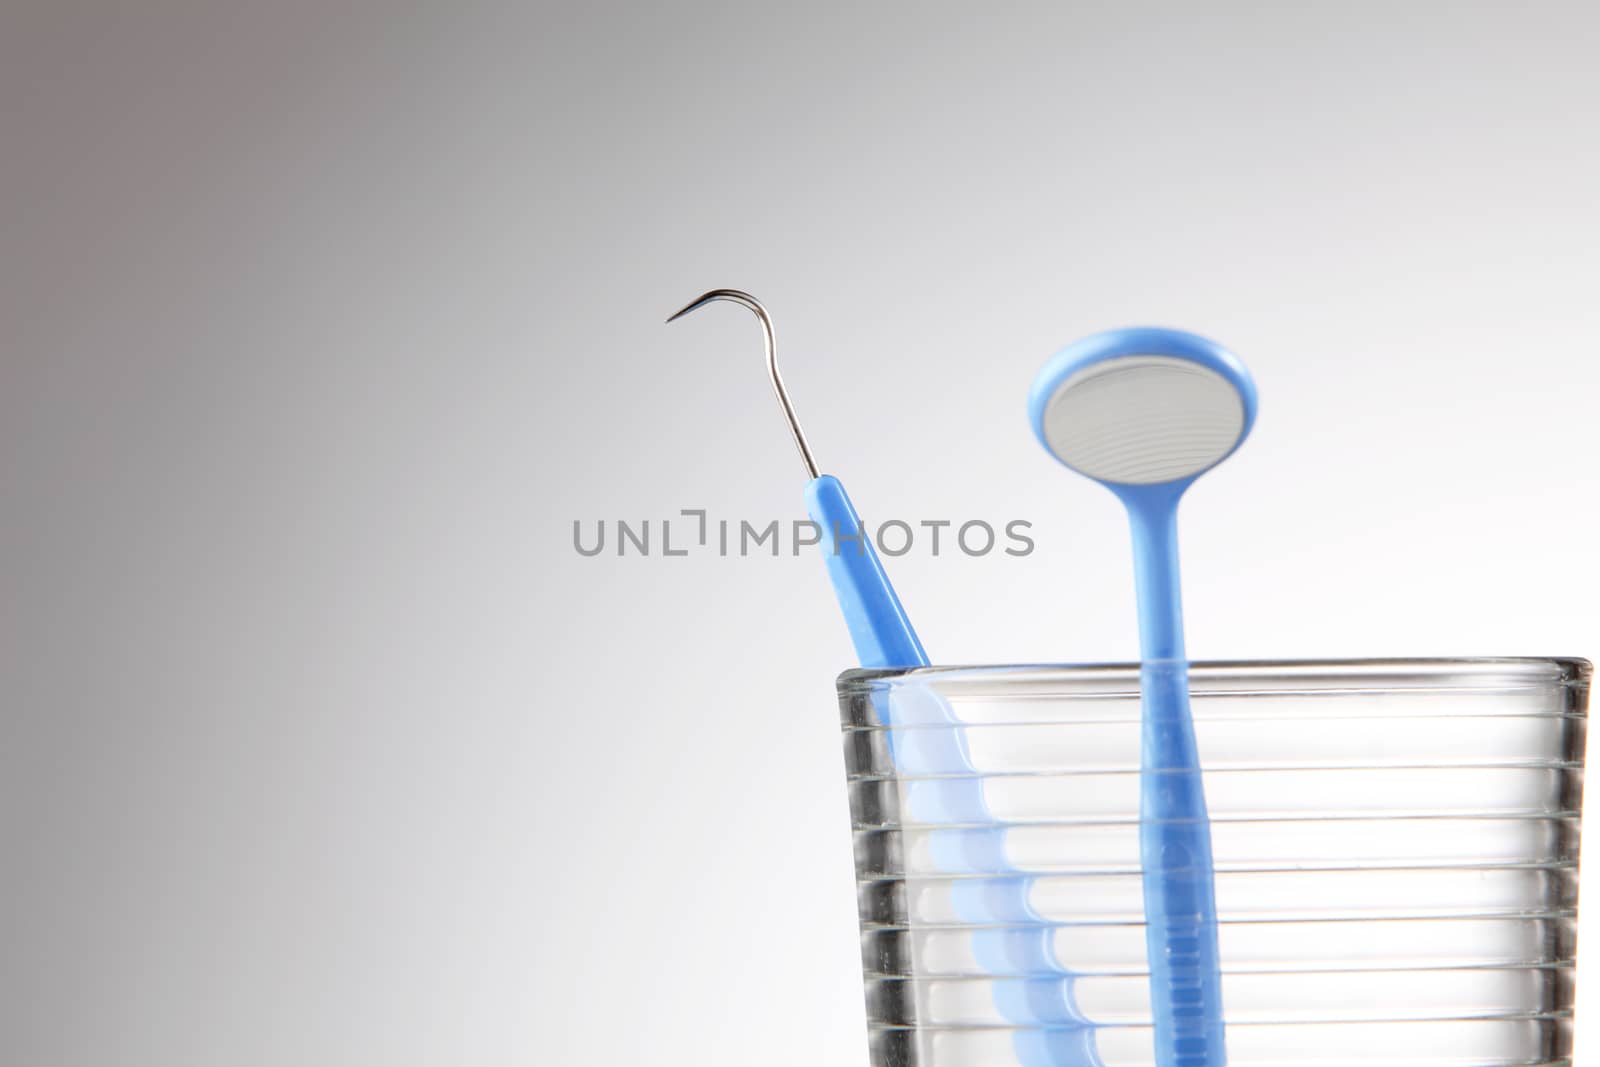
[[1396, 848]]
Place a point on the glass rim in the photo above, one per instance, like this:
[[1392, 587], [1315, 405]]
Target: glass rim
[[1413, 672]]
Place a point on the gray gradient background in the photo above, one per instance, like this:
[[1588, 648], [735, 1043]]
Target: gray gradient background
[[320, 323]]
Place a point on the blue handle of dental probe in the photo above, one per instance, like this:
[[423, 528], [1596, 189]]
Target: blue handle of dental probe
[[878, 624]]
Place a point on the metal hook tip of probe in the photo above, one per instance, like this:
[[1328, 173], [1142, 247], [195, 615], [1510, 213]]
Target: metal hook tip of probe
[[740, 297]]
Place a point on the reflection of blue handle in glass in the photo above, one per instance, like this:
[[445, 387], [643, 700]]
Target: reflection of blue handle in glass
[[1011, 939]]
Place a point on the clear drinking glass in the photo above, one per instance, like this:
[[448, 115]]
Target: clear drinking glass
[[1396, 849]]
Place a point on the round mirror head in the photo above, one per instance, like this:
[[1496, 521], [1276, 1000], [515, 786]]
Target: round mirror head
[[1142, 407]]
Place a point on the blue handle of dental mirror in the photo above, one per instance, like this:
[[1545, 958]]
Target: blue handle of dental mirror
[[1174, 827], [879, 627]]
